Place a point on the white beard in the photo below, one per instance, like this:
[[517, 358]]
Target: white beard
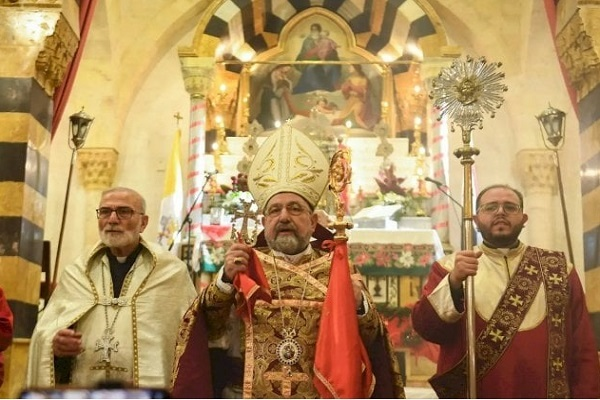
[[120, 239]]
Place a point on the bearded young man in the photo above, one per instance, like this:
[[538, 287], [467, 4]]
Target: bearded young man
[[534, 337], [273, 346], [116, 310]]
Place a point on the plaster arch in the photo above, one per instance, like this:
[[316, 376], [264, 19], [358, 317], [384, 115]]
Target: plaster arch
[[483, 30], [126, 59]]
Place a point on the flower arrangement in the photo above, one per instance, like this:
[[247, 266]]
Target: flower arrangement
[[404, 256], [237, 194], [393, 190]]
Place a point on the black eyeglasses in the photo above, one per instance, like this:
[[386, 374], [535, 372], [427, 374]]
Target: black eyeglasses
[[122, 212], [294, 209], [492, 208]]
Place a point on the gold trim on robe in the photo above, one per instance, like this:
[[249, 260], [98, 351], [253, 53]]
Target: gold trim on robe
[[264, 374], [146, 328]]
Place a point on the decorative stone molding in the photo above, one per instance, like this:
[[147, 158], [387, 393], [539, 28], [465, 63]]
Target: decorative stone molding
[[97, 167], [578, 47], [537, 170], [198, 74], [52, 61]]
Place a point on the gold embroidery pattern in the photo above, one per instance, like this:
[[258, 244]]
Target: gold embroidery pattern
[[555, 277], [269, 378], [535, 266], [183, 337], [509, 314], [217, 314]]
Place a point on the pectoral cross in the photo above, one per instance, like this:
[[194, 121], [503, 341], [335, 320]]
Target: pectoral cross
[[286, 377], [245, 214], [107, 345]]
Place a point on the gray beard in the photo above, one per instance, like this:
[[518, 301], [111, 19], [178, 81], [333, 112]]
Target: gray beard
[[122, 239], [288, 244]]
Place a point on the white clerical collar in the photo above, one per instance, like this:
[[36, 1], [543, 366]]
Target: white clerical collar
[[293, 258], [504, 251]]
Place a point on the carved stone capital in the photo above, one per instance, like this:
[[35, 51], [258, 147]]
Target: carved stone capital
[[537, 170], [198, 74], [578, 45], [97, 167], [58, 51]]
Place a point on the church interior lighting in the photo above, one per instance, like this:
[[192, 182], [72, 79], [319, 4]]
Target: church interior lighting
[[79, 127], [552, 127]]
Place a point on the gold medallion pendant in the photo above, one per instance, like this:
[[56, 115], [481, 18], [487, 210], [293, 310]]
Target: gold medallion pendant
[[289, 350]]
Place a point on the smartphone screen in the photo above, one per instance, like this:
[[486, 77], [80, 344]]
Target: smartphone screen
[[112, 393]]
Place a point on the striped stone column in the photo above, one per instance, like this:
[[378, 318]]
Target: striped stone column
[[440, 202], [36, 44], [437, 135], [198, 75]]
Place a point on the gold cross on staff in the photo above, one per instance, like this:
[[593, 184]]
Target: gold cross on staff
[[245, 214], [286, 377]]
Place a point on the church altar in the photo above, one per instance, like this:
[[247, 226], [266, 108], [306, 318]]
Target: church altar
[[399, 251], [394, 263]]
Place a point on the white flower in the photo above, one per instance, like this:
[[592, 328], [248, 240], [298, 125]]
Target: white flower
[[406, 259]]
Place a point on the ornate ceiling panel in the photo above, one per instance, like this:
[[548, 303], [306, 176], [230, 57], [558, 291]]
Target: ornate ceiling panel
[[382, 27]]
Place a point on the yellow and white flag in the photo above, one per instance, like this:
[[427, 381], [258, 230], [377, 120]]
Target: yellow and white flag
[[172, 200]]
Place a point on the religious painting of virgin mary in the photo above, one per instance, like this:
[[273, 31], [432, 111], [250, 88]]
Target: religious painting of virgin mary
[[317, 76], [318, 46]]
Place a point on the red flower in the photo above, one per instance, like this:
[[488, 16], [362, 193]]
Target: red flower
[[388, 182]]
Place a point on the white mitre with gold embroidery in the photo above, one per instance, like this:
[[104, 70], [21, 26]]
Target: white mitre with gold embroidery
[[288, 161]]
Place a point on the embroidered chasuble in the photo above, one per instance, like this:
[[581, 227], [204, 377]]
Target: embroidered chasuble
[[278, 343], [130, 337]]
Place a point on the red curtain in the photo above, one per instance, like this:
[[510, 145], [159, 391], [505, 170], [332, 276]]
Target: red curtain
[[62, 92]]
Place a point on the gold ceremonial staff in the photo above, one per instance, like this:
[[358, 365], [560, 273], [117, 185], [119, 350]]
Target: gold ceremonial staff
[[340, 173], [465, 91]]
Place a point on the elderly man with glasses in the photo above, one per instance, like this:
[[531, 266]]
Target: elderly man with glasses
[[116, 310], [534, 336]]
